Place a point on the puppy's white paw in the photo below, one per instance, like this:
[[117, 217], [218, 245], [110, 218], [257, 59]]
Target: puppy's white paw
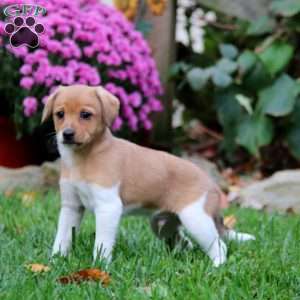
[[59, 252], [99, 254], [218, 261], [61, 247]]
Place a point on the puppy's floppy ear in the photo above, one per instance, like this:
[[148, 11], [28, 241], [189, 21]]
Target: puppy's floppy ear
[[110, 105], [48, 108]]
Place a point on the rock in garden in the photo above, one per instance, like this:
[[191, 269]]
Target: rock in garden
[[30, 177], [280, 192]]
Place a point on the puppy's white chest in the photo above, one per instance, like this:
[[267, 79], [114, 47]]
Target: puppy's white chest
[[91, 195], [87, 194]]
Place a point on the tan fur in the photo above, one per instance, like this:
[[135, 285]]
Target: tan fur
[[148, 177]]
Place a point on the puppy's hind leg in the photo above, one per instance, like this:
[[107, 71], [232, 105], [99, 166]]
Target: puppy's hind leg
[[202, 228]]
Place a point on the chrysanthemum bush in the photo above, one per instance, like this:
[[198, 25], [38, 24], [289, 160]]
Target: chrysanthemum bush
[[85, 42]]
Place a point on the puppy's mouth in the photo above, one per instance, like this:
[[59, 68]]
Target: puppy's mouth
[[71, 143]]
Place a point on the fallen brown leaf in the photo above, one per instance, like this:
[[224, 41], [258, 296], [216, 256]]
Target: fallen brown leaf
[[233, 192], [8, 193], [230, 221], [234, 188], [86, 275], [28, 198], [37, 268]]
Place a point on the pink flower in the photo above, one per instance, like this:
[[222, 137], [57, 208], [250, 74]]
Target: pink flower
[[45, 99], [27, 82], [147, 124], [26, 70], [155, 104], [88, 42], [135, 99], [30, 106], [117, 124]]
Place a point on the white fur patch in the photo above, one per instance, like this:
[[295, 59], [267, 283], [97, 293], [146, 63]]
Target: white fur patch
[[202, 228], [65, 151], [106, 205], [238, 236]]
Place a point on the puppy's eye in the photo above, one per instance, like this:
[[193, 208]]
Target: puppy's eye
[[85, 115], [60, 115]]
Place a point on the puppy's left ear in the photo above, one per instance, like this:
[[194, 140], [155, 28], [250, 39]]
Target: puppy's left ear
[[48, 108], [110, 105]]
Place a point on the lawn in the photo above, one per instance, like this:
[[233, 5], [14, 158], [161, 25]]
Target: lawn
[[268, 268]]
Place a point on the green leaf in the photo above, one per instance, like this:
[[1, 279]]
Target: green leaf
[[220, 78], [258, 77], [197, 78], [293, 141], [255, 131], [286, 8], [246, 61], [230, 114], [293, 131], [176, 68], [245, 102], [279, 99], [277, 56], [263, 25], [227, 65], [228, 51]]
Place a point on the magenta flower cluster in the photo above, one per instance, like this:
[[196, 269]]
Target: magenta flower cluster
[[86, 42]]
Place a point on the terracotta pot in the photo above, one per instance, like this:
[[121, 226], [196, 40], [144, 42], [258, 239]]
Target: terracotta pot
[[15, 153]]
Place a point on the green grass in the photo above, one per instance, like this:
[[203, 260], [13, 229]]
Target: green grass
[[268, 268]]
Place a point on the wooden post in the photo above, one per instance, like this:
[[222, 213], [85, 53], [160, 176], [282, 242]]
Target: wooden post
[[162, 42]]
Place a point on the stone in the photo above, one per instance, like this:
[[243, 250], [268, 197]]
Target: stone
[[36, 178], [30, 178], [280, 193]]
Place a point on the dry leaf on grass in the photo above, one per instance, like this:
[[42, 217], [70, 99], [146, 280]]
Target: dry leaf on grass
[[231, 177], [28, 198], [37, 268], [233, 192], [234, 188], [230, 221], [8, 193], [86, 275]]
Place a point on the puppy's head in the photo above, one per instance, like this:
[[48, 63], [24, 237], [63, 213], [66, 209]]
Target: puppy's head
[[80, 113]]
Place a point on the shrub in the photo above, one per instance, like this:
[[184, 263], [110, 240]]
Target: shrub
[[246, 78], [84, 42]]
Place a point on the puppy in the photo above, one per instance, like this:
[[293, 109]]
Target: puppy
[[106, 175]]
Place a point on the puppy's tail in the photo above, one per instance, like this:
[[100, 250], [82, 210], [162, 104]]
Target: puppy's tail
[[232, 235], [220, 199]]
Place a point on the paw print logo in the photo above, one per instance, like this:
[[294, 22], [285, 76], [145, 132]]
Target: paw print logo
[[24, 32]]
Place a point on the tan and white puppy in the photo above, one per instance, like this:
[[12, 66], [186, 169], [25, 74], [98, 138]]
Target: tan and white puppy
[[107, 175]]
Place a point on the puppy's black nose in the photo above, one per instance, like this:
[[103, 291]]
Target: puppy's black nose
[[68, 134]]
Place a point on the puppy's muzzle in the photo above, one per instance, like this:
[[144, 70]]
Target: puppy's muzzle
[[68, 136]]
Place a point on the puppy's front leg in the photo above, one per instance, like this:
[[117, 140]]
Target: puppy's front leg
[[107, 220], [70, 216]]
